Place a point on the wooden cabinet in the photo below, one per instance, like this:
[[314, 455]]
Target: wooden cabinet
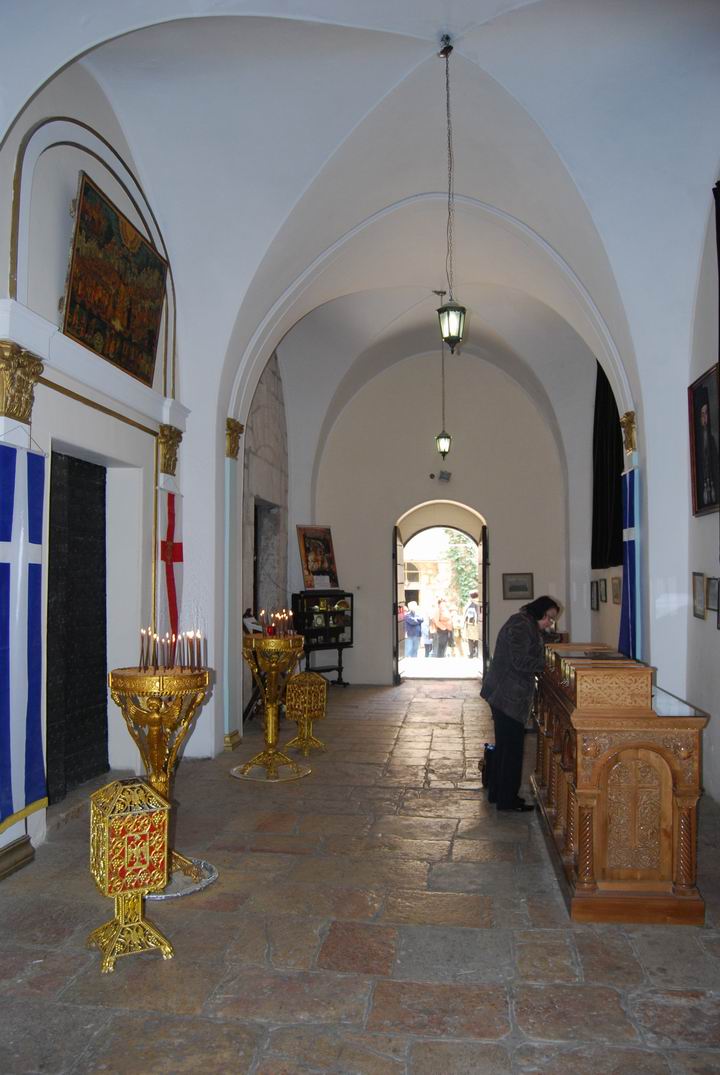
[[617, 782], [325, 619]]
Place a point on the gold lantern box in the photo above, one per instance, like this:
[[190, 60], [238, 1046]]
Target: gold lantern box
[[128, 859]]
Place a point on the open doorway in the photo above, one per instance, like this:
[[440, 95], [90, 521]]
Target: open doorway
[[440, 603]]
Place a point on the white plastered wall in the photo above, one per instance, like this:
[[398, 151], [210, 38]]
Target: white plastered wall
[[605, 621], [376, 464], [703, 667]]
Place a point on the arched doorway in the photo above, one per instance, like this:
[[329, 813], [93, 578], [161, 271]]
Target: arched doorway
[[447, 561]]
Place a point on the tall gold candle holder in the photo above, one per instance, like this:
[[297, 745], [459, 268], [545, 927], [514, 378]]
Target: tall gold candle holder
[[271, 660], [159, 707]]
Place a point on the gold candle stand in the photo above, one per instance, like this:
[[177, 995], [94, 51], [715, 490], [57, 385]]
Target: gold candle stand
[[271, 660], [158, 707]]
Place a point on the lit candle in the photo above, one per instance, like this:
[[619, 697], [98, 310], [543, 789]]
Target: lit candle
[[173, 653], [141, 663], [198, 642]]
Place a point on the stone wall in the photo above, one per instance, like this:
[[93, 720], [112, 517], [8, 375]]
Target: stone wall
[[266, 484]]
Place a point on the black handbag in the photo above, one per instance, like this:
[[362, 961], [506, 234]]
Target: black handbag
[[485, 765]]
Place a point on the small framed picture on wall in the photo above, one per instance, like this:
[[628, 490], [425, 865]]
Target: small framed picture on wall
[[603, 589], [712, 586], [698, 594], [594, 603], [518, 586], [616, 589]]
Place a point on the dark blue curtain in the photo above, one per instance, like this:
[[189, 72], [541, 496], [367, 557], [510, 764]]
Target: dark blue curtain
[[607, 527]]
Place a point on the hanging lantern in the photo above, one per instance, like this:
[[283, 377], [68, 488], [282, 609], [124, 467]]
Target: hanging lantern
[[451, 314], [452, 323], [443, 442]]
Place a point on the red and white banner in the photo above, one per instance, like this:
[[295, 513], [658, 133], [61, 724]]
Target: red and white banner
[[170, 562]]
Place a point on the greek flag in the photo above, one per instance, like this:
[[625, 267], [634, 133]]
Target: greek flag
[[22, 766], [629, 642]]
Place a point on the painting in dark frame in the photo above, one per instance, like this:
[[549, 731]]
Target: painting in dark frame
[[594, 603], [518, 586], [116, 286], [317, 557], [698, 595], [704, 420]]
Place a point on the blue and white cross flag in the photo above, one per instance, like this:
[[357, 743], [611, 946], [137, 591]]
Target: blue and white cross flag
[[22, 766]]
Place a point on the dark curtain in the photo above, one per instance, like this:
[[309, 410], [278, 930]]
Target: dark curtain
[[607, 548], [716, 194]]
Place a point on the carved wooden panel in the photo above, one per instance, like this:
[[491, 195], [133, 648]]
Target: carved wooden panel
[[635, 818], [616, 689]]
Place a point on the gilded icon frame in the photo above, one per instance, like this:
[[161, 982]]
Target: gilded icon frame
[[115, 294], [317, 557]]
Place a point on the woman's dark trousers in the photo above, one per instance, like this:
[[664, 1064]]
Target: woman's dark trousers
[[507, 768]]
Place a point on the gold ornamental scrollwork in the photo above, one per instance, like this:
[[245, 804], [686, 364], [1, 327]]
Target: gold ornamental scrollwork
[[233, 431], [169, 441], [629, 432], [681, 748], [19, 373]]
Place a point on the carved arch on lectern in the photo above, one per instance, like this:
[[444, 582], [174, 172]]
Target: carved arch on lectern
[[634, 817]]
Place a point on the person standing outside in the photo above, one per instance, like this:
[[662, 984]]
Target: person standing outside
[[472, 623], [413, 629], [425, 635], [509, 686], [443, 627]]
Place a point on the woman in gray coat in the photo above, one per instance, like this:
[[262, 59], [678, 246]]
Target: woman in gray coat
[[509, 686]]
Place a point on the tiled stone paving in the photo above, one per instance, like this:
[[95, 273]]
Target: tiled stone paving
[[374, 918]]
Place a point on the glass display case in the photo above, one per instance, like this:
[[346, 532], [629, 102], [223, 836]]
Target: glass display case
[[325, 619]]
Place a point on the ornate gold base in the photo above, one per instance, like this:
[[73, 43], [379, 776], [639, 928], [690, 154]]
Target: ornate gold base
[[186, 866], [232, 740], [128, 932], [306, 742], [270, 760]]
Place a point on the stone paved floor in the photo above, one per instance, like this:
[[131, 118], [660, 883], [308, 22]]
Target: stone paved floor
[[373, 918]]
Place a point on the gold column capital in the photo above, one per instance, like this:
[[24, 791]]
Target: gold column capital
[[169, 441], [233, 432], [19, 373], [629, 430]]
